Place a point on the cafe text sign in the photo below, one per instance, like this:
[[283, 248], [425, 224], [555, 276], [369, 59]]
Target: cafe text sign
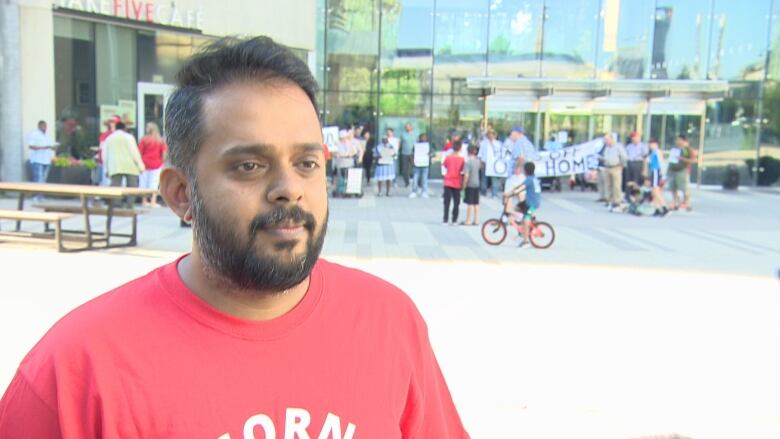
[[161, 12]]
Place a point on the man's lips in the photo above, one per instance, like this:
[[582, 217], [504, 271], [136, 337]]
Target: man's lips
[[286, 229]]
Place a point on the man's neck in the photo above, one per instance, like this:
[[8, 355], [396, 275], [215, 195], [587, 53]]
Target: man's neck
[[243, 304]]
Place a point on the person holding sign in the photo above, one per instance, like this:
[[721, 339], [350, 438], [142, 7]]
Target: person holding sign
[[41, 152], [495, 159], [385, 166], [422, 163]]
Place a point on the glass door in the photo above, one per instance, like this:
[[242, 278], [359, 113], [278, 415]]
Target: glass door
[[152, 98]]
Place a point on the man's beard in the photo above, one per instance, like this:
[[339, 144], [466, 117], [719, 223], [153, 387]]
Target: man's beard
[[233, 256]]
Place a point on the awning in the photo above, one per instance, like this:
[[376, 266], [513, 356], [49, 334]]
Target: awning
[[598, 96]]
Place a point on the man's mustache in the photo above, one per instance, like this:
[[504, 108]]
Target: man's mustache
[[279, 215]]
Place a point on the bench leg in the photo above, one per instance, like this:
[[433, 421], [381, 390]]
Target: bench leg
[[87, 227], [135, 230], [58, 235], [20, 206]]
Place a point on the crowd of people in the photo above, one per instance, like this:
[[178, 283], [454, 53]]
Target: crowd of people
[[121, 160], [632, 177]]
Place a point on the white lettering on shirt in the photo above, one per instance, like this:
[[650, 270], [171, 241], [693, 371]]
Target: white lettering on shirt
[[296, 424]]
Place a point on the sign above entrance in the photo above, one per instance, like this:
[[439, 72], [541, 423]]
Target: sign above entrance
[[149, 11]]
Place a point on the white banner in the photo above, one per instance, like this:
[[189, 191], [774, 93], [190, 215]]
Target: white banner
[[571, 160]]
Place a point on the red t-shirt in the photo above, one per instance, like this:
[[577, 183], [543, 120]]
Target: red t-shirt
[[454, 164], [151, 360], [152, 152]]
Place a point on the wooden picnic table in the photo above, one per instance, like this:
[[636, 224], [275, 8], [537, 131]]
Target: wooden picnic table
[[84, 193]]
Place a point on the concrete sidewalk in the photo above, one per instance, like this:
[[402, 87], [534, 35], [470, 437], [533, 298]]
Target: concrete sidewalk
[[735, 232], [627, 327]]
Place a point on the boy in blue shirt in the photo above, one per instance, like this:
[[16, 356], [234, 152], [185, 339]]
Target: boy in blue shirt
[[526, 189]]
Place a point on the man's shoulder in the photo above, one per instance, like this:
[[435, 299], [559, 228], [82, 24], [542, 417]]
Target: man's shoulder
[[100, 320], [361, 289]]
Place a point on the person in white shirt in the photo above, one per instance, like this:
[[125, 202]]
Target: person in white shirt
[[41, 152]]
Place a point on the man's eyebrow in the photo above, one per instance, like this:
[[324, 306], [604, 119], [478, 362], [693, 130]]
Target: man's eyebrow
[[267, 149]]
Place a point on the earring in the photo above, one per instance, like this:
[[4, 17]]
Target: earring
[[188, 215]]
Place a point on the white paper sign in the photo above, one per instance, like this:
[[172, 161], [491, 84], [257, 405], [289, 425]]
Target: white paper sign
[[330, 136], [422, 151], [674, 155], [386, 156]]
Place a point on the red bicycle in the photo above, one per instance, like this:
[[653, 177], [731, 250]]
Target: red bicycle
[[541, 234]]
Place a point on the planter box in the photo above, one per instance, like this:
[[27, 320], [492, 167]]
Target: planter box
[[70, 175]]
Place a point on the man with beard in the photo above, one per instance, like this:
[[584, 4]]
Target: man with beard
[[250, 335]]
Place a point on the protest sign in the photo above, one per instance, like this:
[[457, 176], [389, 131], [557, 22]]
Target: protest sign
[[571, 160], [422, 156], [330, 136]]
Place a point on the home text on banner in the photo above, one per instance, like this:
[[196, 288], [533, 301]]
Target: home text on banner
[[570, 160]]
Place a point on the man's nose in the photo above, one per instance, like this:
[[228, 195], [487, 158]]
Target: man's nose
[[286, 186]]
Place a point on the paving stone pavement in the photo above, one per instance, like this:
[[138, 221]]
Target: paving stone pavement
[[737, 232]]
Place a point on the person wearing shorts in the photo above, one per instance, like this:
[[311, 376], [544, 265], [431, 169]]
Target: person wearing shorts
[[654, 165], [528, 192], [153, 152], [471, 178]]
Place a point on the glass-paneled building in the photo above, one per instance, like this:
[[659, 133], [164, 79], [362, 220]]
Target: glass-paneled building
[[709, 69]]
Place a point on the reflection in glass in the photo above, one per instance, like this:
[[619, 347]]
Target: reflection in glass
[[352, 45], [569, 38], [515, 38], [346, 109], [680, 39], [624, 39], [76, 127], [460, 44], [730, 134], [739, 36]]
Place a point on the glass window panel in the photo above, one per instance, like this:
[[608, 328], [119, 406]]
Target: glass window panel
[[115, 51], [345, 109], [739, 37], [570, 38], [503, 121], [774, 44], [76, 127], [319, 49], [396, 109], [460, 44], [352, 45], [623, 50], [515, 38], [680, 39], [407, 42]]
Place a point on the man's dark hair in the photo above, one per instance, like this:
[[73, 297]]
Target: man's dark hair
[[120, 126], [41, 122], [682, 137], [219, 63], [472, 149], [456, 145], [529, 168]]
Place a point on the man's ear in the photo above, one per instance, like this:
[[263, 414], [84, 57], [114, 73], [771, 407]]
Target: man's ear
[[175, 190]]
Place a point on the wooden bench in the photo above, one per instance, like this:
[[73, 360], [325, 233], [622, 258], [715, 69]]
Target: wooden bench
[[75, 209], [45, 217]]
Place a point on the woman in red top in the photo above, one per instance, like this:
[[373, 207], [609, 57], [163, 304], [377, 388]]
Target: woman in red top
[[453, 181], [153, 151]]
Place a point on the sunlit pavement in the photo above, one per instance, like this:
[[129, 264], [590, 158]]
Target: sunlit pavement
[[583, 340]]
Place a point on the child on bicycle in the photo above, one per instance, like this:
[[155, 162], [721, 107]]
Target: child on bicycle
[[523, 189]]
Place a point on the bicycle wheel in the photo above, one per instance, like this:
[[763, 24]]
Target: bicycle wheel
[[542, 235], [494, 231]]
